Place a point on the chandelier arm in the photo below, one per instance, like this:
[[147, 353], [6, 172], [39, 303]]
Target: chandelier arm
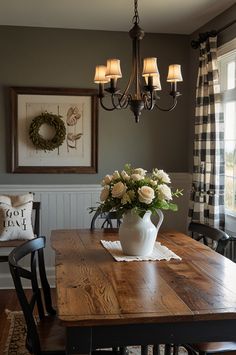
[[128, 98], [126, 101], [104, 107], [149, 101], [128, 86], [136, 65], [167, 109], [124, 94], [139, 68], [123, 101], [117, 106]]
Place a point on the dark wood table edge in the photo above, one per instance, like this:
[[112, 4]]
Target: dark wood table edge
[[82, 340]]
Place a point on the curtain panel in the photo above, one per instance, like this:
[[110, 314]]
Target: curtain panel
[[207, 196]]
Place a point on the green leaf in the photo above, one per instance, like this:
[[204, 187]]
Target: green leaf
[[173, 207]]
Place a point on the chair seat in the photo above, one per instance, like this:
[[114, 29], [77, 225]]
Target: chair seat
[[215, 347], [11, 243], [52, 335]]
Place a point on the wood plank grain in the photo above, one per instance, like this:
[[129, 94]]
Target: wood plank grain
[[92, 286]]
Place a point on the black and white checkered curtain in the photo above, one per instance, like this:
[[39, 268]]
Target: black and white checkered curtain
[[207, 196]]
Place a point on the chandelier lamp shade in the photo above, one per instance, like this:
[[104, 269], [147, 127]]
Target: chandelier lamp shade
[[141, 90]]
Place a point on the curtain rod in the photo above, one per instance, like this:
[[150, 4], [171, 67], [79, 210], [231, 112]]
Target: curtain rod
[[203, 36]]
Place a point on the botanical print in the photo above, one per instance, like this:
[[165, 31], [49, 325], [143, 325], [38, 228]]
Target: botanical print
[[73, 115]]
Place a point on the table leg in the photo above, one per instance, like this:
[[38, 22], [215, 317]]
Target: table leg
[[156, 349], [123, 350], [144, 350], [167, 349], [78, 341]]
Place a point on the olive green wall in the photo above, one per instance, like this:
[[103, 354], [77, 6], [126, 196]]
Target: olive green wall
[[219, 22], [66, 58]]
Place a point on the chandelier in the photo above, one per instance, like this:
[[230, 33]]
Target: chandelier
[[139, 93]]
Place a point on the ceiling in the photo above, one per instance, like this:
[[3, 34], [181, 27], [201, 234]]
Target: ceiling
[[158, 16]]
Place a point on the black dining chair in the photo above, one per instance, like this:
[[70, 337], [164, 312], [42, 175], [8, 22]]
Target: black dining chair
[[209, 235], [212, 237], [9, 244], [44, 334], [105, 220], [217, 240]]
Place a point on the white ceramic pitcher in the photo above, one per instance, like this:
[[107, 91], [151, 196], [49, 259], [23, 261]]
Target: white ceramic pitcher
[[138, 235]]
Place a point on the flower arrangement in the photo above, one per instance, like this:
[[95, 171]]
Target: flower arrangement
[[134, 189]]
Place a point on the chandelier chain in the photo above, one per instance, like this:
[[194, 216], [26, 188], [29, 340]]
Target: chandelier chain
[[136, 15]]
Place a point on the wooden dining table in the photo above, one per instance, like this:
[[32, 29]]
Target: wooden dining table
[[104, 303]]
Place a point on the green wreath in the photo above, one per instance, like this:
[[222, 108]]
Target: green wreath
[[53, 121]]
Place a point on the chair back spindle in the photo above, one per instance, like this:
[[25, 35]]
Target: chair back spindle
[[204, 232], [108, 219]]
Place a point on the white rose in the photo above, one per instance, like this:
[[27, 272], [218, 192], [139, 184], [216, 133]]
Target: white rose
[[161, 175], [104, 194], [146, 194], [164, 192], [140, 171], [125, 176], [118, 190], [136, 177], [116, 175], [153, 182], [107, 179]]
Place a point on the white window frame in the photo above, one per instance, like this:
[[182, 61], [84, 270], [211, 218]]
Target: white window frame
[[223, 53]]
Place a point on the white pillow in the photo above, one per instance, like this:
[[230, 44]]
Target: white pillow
[[15, 217]]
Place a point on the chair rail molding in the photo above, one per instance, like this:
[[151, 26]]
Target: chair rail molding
[[66, 207]]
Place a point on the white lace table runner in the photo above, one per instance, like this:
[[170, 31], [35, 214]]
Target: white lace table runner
[[160, 252]]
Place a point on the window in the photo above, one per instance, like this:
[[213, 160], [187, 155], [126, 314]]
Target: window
[[227, 68]]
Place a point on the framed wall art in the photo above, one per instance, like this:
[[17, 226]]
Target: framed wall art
[[54, 130]]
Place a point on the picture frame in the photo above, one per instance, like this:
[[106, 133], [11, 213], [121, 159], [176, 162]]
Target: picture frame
[[76, 113]]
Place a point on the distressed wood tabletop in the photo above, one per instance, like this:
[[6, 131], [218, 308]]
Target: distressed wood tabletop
[[92, 286]]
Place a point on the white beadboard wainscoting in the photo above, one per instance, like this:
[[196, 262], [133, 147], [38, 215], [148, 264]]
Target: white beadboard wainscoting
[[66, 207]]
